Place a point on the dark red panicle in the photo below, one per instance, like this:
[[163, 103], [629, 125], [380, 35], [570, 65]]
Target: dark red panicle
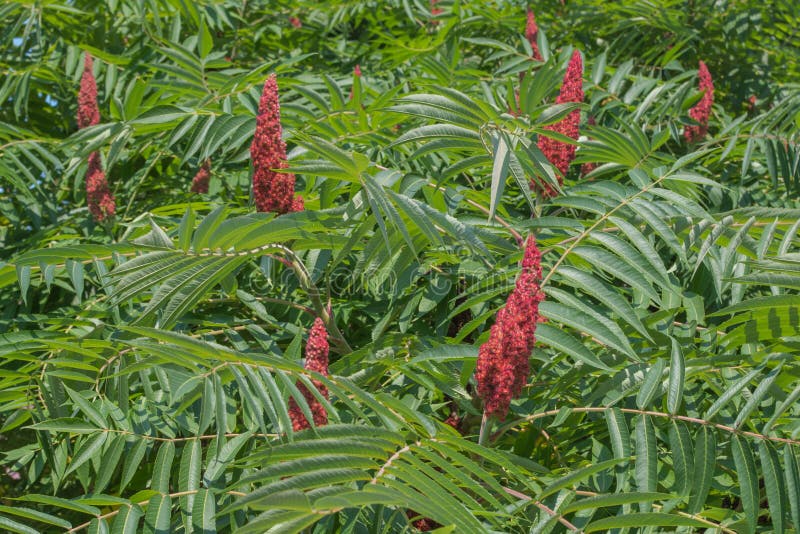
[[531, 33], [88, 111], [502, 368], [98, 195], [273, 190], [702, 110], [423, 524], [561, 154], [317, 349], [200, 180]]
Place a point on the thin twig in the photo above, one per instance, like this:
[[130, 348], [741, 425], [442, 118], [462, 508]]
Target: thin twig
[[696, 517], [543, 507], [597, 223], [170, 495], [684, 418], [229, 435], [270, 300], [389, 462], [517, 236], [323, 312]]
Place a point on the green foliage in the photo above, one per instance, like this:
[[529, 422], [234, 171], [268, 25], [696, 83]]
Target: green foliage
[[147, 364]]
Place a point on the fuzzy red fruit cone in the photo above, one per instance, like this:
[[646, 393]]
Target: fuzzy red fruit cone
[[502, 369], [200, 180], [88, 110], [531, 33], [98, 195], [99, 199], [701, 111], [273, 190], [317, 349], [561, 154]]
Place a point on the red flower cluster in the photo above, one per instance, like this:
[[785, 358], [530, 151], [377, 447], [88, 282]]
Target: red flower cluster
[[296, 22], [273, 190], [88, 112], [503, 368], [98, 195], [316, 360], [435, 11], [453, 419], [423, 524], [200, 180], [702, 110], [558, 153], [531, 32]]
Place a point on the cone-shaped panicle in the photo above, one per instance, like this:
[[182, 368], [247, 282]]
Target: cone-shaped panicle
[[702, 110], [317, 348], [558, 153], [273, 191], [98, 195], [88, 112], [502, 368], [200, 180], [316, 360], [531, 32]]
